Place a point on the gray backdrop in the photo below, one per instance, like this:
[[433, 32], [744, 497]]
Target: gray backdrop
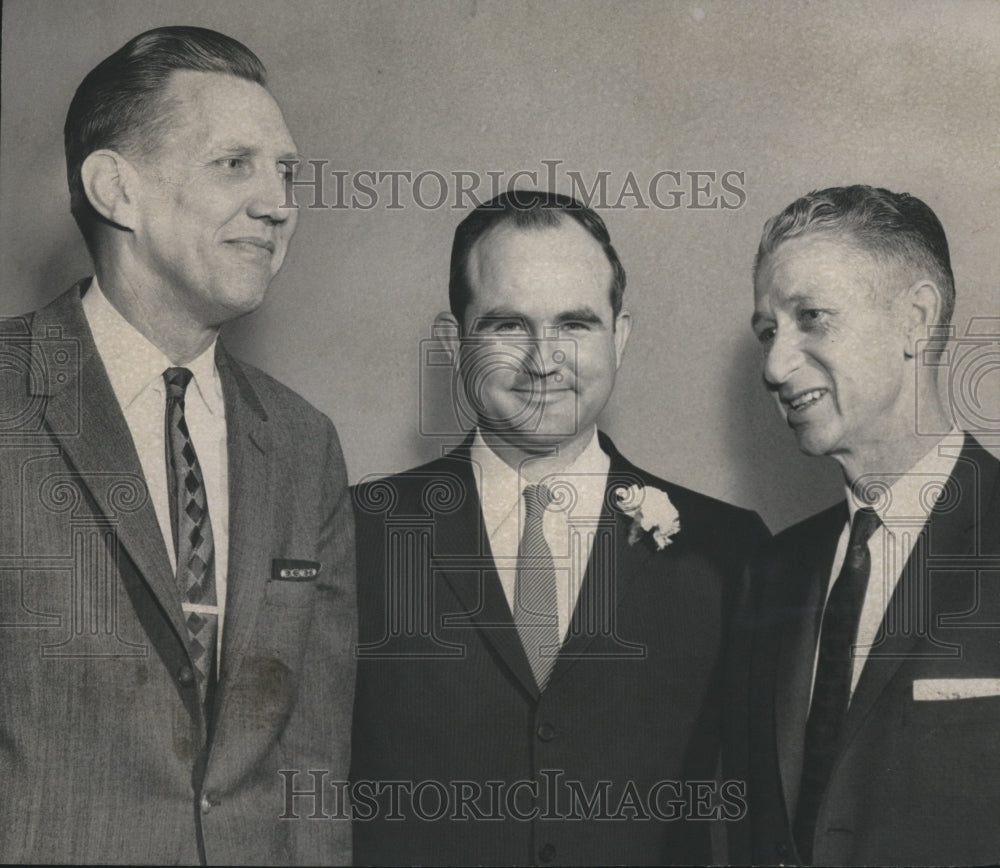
[[793, 95]]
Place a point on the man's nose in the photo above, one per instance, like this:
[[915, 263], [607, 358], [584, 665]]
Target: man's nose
[[272, 198], [781, 358], [547, 355]]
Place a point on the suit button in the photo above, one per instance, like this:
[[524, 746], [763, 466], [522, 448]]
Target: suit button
[[207, 803], [546, 732], [547, 853], [185, 676]]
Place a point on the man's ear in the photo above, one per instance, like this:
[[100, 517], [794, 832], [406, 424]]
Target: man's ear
[[109, 181], [623, 328], [448, 331], [922, 304]]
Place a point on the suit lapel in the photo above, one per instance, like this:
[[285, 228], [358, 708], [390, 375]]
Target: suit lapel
[[251, 510], [614, 568], [801, 596], [923, 590], [462, 553], [83, 415]]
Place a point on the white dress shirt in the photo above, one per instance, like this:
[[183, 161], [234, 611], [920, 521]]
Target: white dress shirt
[[903, 510], [135, 368], [569, 524]]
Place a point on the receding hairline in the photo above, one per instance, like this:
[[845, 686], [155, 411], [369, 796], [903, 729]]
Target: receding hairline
[[561, 220], [894, 272], [897, 230], [147, 138]]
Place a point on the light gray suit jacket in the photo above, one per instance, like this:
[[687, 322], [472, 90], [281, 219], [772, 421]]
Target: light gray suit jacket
[[105, 753]]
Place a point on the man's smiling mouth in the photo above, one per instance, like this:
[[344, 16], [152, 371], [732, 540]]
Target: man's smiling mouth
[[804, 400], [254, 243]]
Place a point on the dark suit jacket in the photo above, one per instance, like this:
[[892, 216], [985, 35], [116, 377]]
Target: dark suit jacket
[[446, 694], [915, 782], [106, 755]]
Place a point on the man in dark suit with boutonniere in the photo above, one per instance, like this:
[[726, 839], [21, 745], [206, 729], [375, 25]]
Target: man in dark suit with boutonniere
[[177, 614], [541, 622], [873, 657]]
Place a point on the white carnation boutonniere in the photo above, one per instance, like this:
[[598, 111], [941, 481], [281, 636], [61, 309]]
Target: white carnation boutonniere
[[652, 513]]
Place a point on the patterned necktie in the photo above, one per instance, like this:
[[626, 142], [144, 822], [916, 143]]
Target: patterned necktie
[[832, 689], [193, 542], [535, 612]]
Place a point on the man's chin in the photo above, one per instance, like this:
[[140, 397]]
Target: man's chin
[[540, 442], [236, 305], [811, 442]]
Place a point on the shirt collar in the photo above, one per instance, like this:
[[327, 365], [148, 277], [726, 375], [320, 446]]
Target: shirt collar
[[500, 485], [913, 494], [133, 363]]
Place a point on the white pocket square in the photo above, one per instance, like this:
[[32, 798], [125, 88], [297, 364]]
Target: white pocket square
[[955, 688]]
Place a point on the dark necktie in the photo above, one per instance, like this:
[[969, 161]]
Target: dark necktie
[[832, 689], [193, 542], [535, 606]]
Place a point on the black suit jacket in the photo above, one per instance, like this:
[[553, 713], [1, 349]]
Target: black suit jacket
[[916, 782], [631, 714], [105, 754]]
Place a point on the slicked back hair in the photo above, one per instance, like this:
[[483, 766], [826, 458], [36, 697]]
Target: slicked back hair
[[526, 209], [895, 228], [120, 104]]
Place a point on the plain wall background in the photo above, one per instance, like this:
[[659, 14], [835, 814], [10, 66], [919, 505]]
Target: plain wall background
[[797, 95]]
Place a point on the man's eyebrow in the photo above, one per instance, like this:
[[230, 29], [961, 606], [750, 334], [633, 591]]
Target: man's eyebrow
[[236, 148], [580, 314], [501, 313], [797, 300]]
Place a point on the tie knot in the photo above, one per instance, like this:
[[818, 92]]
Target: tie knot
[[865, 522], [177, 380], [537, 498]]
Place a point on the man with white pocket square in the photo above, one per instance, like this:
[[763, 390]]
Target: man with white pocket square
[[871, 679]]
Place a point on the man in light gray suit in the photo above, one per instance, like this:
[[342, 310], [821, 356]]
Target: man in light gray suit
[[177, 611]]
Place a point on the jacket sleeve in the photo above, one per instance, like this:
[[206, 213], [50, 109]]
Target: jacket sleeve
[[317, 737]]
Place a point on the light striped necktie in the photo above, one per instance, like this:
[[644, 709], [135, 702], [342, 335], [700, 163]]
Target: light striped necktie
[[535, 603]]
